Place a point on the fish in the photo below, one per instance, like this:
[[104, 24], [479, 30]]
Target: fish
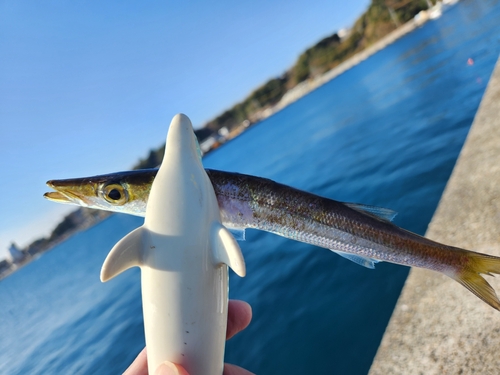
[[361, 233]]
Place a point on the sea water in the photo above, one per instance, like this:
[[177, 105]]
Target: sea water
[[386, 132]]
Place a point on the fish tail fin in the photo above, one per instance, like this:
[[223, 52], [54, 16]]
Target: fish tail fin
[[470, 276]]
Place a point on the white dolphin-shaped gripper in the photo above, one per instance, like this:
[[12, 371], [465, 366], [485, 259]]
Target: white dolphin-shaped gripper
[[183, 252]]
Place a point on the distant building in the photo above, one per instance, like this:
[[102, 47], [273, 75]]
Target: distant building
[[223, 132], [16, 255], [207, 144], [343, 33]]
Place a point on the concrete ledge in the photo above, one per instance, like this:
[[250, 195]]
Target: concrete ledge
[[438, 327]]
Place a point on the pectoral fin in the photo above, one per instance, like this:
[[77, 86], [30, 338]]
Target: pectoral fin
[[238, 233], [226, 250], [124, 255]]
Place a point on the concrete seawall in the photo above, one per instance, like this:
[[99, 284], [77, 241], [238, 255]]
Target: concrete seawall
[[438, 327]]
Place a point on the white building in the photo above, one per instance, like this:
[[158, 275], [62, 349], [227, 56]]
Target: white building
[[15, 254]]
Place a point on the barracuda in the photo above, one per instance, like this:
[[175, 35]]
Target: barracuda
[[363, 234]]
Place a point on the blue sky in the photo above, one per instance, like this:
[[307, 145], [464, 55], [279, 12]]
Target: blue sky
[[88, 87]]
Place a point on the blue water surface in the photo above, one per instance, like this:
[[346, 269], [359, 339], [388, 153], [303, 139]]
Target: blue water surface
[[387, 132]]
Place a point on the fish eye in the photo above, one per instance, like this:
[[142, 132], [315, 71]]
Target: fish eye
[[115, 194]]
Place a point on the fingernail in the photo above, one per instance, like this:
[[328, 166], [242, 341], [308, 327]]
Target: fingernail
[[167, 368]]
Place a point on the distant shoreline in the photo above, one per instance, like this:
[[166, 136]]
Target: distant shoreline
[[306, 87], [299, 91]]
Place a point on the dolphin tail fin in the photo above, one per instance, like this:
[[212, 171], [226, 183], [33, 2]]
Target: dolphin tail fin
[[124, 255], [226, 250]]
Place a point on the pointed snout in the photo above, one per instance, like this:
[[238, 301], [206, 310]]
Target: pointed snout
[[181, 139]]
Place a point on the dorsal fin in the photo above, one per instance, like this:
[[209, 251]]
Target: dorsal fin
[[374, 211]]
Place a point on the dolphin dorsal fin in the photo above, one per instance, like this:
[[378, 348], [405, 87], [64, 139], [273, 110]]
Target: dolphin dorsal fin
[[226, 250], [124, 255]]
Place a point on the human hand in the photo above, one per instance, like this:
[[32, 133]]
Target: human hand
[[239, 316]]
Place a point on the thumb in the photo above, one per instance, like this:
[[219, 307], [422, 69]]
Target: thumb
[[168, 368]]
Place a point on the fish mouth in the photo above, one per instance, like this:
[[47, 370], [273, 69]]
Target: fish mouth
[[56, 196], [66, 193]]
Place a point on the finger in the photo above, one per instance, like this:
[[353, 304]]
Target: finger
[[139, 366], [238, 317], [235, 370], [168, 368]]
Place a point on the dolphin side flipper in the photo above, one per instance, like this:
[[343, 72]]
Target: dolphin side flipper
[[124, 255], [226, 250]]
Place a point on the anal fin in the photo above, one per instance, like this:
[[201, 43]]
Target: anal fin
[[358, 259]]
